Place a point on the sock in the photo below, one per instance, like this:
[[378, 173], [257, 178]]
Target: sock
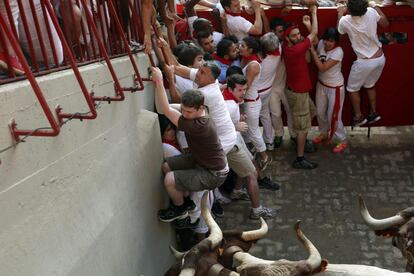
[[300, 158]]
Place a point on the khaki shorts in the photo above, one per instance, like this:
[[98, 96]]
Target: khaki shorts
[[303, 110], [191, 177], [240, 161]]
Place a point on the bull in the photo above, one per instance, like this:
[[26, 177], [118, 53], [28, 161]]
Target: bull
[[247, 264], [400, 227]]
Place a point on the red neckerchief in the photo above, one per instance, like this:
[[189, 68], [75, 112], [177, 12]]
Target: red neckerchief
[[227, 95], [274, 53], [233, 13], [171, 142], [222, 60], [194, 34], [252, 58]]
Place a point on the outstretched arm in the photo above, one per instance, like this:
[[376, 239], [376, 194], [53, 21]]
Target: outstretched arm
[[257, 27], [383, 21], [314, 28], [161, 100], [146, 19]]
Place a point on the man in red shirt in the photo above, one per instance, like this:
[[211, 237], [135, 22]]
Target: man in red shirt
[[298, 84]]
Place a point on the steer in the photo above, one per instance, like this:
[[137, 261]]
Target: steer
[[201, 259], [252, 266], [400, 227]]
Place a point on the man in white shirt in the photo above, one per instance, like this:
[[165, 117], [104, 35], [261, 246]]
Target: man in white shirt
[[238, 25], [361, 26]]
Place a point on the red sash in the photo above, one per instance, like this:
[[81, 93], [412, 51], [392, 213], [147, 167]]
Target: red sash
[[233, 13], [335, 112], [250, 100]]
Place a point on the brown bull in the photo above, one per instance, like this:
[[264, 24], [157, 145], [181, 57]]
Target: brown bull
[[400, 227], [252, 266]]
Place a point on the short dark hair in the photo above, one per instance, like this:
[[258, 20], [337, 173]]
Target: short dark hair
[[331, 34], [215, 70], [182, 45], [202, 35], [192, 98], [277, 21], [236, 79], [233, 38], [200, 24], [187, 55], [252, 43], [225, 3], [357, 7], [223, 47], [232, 70]]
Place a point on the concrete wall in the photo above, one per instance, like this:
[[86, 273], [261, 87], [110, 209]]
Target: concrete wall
[[85, 202]]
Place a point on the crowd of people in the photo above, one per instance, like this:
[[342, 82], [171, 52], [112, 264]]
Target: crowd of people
[[222, 84]]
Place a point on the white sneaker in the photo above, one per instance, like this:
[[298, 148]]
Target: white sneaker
[[263, 212]]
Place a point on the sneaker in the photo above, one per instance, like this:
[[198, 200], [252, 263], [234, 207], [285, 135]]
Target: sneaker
[[263, 164], [309, 146], [217, 209], [171, 213], [223, 200], [320, 138], [239, 195], [185, 223], [361, 120], [267, 183], [340, 147], [278, 142], [189, 204], [269, 147], [372, 118], [304, 164], [14, 62], [263, 212]]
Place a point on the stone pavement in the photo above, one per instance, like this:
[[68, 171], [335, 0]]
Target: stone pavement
[[325, 199]]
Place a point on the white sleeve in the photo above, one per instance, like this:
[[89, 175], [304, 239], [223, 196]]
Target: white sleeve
[[338, 54], [320, 45], [193, 73], [341, 23], [245, 25], [374, 14]]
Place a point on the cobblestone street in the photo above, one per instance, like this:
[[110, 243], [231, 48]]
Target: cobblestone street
[[326, 199]]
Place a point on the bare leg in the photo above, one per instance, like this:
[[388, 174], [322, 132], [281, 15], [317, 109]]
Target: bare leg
[[253, 190], [301, 141], [372, 97], [356, 103], [177, 197]]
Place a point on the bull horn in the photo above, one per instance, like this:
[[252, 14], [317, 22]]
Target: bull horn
[[378, 224], [216, 235], [255, 234], [314, 260], [188, 272], [177, 254]]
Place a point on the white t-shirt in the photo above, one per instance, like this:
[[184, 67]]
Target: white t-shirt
[[217, 109], [238, 26], [333, 76], [362, 32], [267, 74], [234, 111], [279, 82], [251, 93], [183, 84]]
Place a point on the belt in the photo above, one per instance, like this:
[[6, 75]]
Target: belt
[[250, 100], [264, 89], [221, 173], [376, 55]]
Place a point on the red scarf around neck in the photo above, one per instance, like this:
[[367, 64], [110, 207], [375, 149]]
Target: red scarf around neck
[[255, 57], [222, 60], [233, 13], [227, 95], [274, 53]]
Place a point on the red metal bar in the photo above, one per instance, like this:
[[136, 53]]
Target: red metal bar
[[28, 35], [119, 91], [131, 57], [39, 34], [69, 55], [16, 133]]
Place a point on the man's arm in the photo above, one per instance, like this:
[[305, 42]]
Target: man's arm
[[257, 27], [161, 101], [341, 11], [314, 28], [383, 21], [169, 72], [146, 19], [322, 67], [307, 22]]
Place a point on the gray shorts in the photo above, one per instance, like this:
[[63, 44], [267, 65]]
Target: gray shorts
[[191, 177], [240, 161]]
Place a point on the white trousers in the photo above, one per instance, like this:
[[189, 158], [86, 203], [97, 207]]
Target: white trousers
[[252, 111], [268, 133], [277, 98], [325, 102]]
